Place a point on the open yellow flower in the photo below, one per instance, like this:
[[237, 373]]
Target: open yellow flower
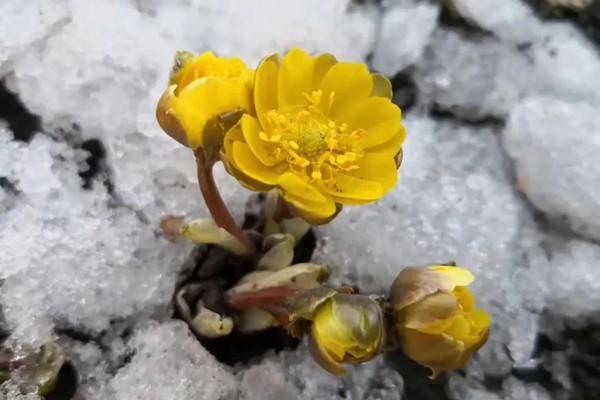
[[436, 319], [206, 96], [325, 133]]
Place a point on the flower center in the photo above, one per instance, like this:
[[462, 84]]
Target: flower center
[[310, 142]]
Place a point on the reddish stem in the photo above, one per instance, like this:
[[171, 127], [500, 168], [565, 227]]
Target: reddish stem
[[215, 202], [259, 298]]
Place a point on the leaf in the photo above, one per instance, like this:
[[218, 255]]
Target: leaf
[[206, 231]]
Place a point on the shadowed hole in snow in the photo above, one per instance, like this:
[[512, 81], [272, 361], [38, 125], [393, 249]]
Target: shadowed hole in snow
[[20, 120], [219, 271]]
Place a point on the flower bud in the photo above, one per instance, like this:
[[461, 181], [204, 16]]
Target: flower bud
[[435, 316], [346, 328], [206, 96]]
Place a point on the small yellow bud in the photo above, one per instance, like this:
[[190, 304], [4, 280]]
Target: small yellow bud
[[346, 328], [436, 319]]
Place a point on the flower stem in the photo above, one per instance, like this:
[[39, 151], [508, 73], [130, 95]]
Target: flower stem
[[215, 202]]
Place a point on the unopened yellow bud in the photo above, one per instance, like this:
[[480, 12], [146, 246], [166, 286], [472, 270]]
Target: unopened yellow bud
[[346, 328], [436, 319]]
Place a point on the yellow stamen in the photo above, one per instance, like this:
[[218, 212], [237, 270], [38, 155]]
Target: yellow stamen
[[311, 142]]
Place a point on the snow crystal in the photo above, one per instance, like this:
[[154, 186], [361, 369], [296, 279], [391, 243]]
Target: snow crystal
[[574, 289], [512, 20], [567, 63], [370, 381], [70, 259], [170, 364], [555, 144], [405, 31], [471, 78], [8, 391], [24, 24]]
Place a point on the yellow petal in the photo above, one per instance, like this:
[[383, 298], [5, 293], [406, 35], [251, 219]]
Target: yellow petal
[[166, 118], [323, 358], [251, 130], [459, 329], [458, 276], [438, 352], [323, 63], [349, 83], [481, 320], [330, 332], [347, 188], [245, 161], [298, 187], [265, 87], [377, 167], [382, 87], [364, 317], [433, 314], [235, 135], [465, 298], [378, 117], [204, 99], [295, 77], [393, 146], [192, 69], [313, 212]]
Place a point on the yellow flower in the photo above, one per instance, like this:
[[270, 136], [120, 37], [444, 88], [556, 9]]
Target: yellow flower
[[346, 328], [325, 133], [436, 319], [205, 97]]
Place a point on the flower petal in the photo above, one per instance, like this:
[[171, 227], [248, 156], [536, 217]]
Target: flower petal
[[346, 188], [298, 187], [393, 146], [350, 82], [247, 162], [377, 116], [382, 87], [204, 99], [434, 314], [465, 298], [323, 64], [235, 135], [265, 86], [191, 69], [415, 283], [251, 130], [378, 167], [166, 118], [313, 212], [438, 352], [458, 276], [323, 358], [295, 77]]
